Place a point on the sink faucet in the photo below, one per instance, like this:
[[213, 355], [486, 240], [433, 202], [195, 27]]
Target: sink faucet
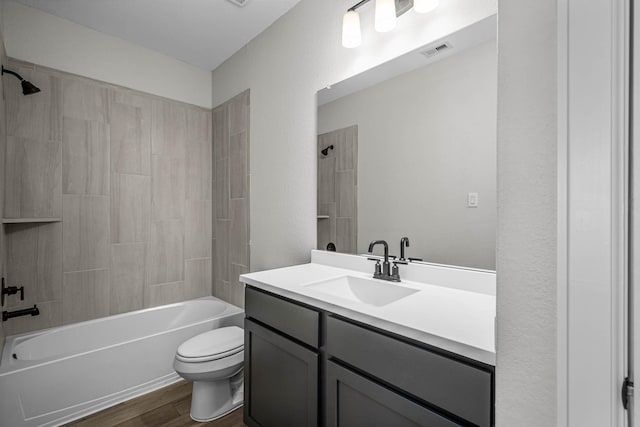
[[403, 242], [384, 273]]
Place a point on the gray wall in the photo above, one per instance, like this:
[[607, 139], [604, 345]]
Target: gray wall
[[231, 197], [526, 383], [427, 138], [284, 67], [126, 179]]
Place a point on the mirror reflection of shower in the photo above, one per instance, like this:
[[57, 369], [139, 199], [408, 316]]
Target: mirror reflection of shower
[[326, 150], [28, 88]]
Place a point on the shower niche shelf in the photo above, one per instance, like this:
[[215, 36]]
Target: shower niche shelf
[[28, 220]]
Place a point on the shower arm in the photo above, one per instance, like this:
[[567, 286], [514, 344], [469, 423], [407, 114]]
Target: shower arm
[[4, 70]]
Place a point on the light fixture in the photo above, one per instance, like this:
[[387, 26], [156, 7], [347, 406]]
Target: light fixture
[[351, 36], [386, 12], [385, 15], [425, 6]]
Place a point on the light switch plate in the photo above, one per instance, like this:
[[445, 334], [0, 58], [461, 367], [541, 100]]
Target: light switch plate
[[472, 200]]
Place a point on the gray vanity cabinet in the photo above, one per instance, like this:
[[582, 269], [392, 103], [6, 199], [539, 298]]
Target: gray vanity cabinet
[[281, 362], [354, 400], [299, 358]]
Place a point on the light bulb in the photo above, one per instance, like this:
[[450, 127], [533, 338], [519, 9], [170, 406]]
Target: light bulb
[[351, 36], [385, 19], [425, 6]]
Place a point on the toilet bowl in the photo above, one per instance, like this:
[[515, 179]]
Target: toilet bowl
[[213, 362]]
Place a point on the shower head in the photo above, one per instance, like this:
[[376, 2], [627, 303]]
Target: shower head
[[326, 150], [28, 88]]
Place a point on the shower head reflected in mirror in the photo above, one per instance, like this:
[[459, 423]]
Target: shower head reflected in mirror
[[28, 88], [326, 150]]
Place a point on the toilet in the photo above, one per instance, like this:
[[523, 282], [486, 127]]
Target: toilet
[[213, 362]]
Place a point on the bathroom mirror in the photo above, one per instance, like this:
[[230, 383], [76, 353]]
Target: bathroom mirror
[[408, 149]]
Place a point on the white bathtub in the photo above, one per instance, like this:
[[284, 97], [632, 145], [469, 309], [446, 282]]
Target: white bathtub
[[57, 375]]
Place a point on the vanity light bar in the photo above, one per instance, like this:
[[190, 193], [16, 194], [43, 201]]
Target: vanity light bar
[[385, 17]]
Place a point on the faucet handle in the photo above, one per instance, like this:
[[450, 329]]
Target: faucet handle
[[378, 268]]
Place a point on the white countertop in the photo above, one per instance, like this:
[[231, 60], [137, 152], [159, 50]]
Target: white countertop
[[456, 320]]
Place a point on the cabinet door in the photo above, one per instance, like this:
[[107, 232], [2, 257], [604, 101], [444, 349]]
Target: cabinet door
[[354, 401], [281, 380]]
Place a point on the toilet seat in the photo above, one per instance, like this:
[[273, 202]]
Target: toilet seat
[[212, 345]]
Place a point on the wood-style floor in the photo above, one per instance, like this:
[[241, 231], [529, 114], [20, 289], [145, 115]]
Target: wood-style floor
[[168, 407]]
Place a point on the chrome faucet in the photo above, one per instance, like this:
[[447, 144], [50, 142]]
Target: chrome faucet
[[384, 272]]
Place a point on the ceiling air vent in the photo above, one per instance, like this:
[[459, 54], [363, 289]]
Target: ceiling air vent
[[437, 49], [239, 3]]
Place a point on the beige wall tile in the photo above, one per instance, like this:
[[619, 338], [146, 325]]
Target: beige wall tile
[[165, 254], [221, 262], [238, 232], [345, 235], [34, 260], [346, 194], [130, 139], [85, 157], [237, 287], [168, 186], [198, 170], [165, 293], [222, 290], [168, 128], [33, 177], [85, 232], [130, 208], [35, 117], [86, 100], [221, 190], [85, 295], [198, 226], [238, 167], [197, 278], [239, 113], [326, 180], [50, 316], [221, 132], [198, 124], [326, 226], [346, 149], [127, 277]]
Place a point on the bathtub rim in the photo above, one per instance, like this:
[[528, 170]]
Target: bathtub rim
[[8, 364]]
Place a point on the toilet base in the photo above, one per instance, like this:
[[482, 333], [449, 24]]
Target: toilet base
[[211, 400]]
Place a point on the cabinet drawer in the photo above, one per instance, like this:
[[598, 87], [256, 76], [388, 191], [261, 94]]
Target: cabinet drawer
[[353, 400], [453, 386], [287, 317]]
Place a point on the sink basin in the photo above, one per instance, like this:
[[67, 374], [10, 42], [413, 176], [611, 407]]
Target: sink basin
[[368, 291]]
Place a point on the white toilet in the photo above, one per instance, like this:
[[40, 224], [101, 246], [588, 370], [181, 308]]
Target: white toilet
[[213, 362]]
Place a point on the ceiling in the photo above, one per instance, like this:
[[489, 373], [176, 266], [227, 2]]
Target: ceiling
[[203, 33]]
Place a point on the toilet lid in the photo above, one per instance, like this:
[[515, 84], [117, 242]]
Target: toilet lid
[[221, 342]]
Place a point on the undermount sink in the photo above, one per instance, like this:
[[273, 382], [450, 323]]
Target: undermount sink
[[367, 291]]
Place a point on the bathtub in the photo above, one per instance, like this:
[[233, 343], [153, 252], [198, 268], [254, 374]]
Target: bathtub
[[57, 375]]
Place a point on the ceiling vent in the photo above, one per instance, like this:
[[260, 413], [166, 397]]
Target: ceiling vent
[[239, 3], [437, 49]]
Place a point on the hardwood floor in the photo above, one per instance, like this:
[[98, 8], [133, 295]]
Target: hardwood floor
[[167, 407]]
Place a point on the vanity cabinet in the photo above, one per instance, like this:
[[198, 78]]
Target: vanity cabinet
[[281, 362], [305, 367]]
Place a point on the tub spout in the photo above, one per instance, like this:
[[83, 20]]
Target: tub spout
[[6, 315]]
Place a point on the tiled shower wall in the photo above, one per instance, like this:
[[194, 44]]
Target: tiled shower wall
[[124, 179], [231, 197], [338, 189]]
